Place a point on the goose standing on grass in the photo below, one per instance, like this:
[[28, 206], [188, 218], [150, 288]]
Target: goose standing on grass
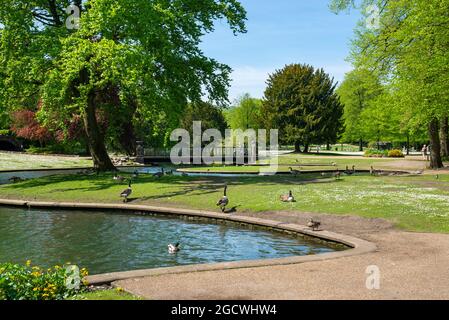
[[127, 192], [314, 225], [294, 172], [224, 201], [118, 178], [159, 174], [288, 197], [337, 175], [348, 172], [173, 248]]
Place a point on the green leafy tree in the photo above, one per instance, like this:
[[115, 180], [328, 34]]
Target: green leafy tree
[[211, 117], [246, 114], [408, 46], [357, 92], [302, 103], [127, 58]]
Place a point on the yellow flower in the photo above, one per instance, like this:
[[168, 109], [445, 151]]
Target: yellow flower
[[119, 289], [35, 289], [28, 263]]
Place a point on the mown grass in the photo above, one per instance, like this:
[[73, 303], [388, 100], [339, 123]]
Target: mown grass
[[112, 294], [15, 161], [416, 203]]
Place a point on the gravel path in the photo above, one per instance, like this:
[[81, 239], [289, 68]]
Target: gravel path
[[412, 266]]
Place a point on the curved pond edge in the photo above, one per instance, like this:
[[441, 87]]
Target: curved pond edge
[[280, 172], [357, 246]]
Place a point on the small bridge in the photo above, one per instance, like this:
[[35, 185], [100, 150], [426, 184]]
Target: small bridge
[[8, 143]]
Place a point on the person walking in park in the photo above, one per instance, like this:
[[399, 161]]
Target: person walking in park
[[424, 152]]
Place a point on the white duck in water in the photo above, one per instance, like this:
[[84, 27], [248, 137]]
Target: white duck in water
[[288, 197], [224, 201], [173, 248], [127, 192]]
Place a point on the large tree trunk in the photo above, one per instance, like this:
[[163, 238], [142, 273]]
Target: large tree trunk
[[361, 145], [95, 138], [444, 137], [435, 153], [298, 146], [306, 148], [128, 138]]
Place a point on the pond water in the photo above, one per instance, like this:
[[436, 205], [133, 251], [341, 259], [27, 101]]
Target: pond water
[[106, 242]]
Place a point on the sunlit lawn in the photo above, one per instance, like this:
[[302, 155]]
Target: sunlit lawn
[[14, 161], [419, 203]]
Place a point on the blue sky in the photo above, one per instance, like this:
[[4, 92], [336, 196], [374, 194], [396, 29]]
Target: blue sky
[[279, 33]]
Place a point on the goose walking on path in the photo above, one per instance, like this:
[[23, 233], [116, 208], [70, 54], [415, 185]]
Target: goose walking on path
[[127, 192], [314, 225], [224, 201]]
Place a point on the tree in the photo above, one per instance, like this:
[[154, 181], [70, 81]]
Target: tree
[[358, 92], [409, 48], [26, 126], [301, 102], [245, 114], [211, 117], [127, 57]]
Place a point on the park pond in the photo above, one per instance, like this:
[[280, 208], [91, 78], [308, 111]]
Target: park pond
[[109, 242]]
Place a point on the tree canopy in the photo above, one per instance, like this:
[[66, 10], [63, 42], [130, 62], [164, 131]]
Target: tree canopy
[[128, 59], [246, 114], [408, 48], [301, 102]]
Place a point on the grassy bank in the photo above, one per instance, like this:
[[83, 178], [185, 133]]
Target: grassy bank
[[417, 203]]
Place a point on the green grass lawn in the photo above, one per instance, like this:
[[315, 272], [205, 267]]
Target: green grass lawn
[[112, 294], [417, 203], [325, 162], [15, 161]]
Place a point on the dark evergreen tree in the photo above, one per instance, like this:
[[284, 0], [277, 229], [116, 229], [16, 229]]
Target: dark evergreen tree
[[301, 102]]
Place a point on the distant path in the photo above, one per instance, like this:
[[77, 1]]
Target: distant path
[[412, 266]]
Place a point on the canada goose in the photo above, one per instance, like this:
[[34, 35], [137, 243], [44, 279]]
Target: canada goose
[[337, 175], [419, 172], [314, 225], [15, 179], [173, 248], [224, 201], [294, 172], [334, 164], [118, 178], [127, 192], [372, 171], [159, 174], [348, 172], [353, 169], [288, 197]]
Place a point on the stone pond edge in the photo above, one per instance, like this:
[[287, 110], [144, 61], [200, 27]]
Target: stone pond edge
[[357, 246]]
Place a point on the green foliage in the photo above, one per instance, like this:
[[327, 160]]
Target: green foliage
[[130, 61], [395, 154], [246, 114], [211, 117], [374, 153], [301, 102], [26, 282]]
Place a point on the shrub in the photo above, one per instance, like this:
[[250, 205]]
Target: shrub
[[395, 154], [374, 153], [26, 282]]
